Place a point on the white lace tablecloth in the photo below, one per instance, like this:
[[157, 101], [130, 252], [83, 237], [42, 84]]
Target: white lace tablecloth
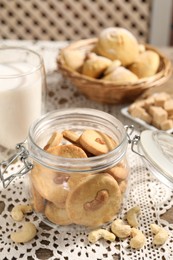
[[70, 243]]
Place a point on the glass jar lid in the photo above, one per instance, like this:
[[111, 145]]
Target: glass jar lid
[[156, 148]]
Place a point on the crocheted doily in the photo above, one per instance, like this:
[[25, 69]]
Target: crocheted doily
[[71, 243]]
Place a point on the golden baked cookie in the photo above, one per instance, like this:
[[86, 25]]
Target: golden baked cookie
[[56, 215], [51, 185], [74, 59], [75, 179], [67, 151], [121, 75], [71, 136], [142, 48], [94, 201], [38, 201], [115, 64], [123, 186], [54, 140], [96, 142], [146, 65], [118, 173], [74, 139], [95, 66], [117, 43], [59, 215]]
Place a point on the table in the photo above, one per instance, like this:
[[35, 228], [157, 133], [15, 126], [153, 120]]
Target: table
[[62, 95]]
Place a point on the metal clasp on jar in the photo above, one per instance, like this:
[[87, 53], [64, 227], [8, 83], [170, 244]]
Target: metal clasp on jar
[[134, 141], [129, 131], [22, 154]]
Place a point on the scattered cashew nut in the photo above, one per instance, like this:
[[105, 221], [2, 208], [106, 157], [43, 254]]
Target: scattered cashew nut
[[18, 211], [138, 239], [95, 235], [120, 229], [25, 234], [161, 235], [131, 216]]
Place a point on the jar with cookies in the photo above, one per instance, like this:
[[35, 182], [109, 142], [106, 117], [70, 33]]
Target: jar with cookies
[[79, 170]]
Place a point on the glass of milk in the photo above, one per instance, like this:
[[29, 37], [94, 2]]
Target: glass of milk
[[22, 95]]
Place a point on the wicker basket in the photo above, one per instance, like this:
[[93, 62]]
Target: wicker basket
[[106, 91]]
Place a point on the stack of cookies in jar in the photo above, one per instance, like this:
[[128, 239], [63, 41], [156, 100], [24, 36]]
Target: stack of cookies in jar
[[82, 198]]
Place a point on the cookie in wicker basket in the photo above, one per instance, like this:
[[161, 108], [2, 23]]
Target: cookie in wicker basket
[[109, 91]]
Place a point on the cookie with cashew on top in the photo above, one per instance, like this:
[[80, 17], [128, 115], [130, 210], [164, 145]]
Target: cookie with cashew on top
[[94, 201], [96, 142]]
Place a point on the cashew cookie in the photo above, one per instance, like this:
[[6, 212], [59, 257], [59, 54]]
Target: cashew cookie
[[67, 151], [56, 215], [119, 173], [38, 202], [51, 185], [94, 201], [71, 136], [96, 142]]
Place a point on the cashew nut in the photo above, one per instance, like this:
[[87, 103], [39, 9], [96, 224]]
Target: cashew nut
[[161, 235], [95, 235], [131, 216], [25, 234], [18, 211], [138, 238], [99, 200], [120, 229]]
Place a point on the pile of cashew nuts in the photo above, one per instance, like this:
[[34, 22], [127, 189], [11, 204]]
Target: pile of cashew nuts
[[122, 230], [118, 229], [28, 230]]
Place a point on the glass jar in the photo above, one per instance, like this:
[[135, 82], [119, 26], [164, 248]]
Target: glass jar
[[86, 191]]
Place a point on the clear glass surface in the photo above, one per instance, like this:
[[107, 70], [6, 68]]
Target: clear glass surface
[[156, 148]]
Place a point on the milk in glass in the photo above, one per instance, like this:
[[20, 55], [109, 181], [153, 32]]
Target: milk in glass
[[20, 101]]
